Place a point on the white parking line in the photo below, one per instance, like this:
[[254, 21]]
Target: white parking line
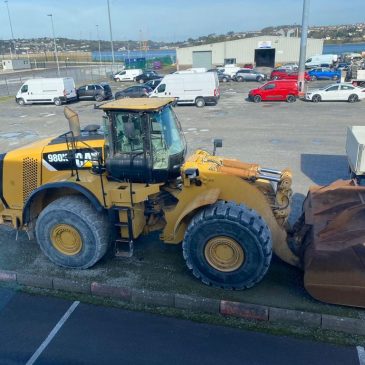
[[49, 115], [52, 333], [361, 355]]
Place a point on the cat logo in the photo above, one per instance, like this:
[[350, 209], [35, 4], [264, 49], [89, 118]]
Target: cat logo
[[62, 160]]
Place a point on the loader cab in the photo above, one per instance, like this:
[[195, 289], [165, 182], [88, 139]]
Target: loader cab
[[144, 140]]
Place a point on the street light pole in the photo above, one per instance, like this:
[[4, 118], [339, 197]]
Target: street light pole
[[55, 45], [97, 33], [111, 34], [11, 28], [303, 48]]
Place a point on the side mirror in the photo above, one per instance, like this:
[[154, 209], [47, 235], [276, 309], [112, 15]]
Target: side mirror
[[73, 121], [217, 143]]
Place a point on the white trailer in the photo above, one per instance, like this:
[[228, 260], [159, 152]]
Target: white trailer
[[355, 150]]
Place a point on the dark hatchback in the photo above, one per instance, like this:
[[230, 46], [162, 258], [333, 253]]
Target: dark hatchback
[[147, 76], [140, 91], [98, 92]]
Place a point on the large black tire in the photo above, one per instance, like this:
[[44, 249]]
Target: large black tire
[[57, 101], [69, 220], [228, 228], [316, 98], [291, 98]]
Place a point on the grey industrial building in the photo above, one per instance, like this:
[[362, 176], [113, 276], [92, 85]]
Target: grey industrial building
[[262, 51]]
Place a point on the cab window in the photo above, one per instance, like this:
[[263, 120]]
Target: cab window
[[161, 88], [24, 89], [347, 87], [269, 87], [332, 88]]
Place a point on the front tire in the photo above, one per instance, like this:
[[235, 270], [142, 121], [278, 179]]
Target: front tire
[[141, 81], [57, 101], [228, 245], [199, 102], [316, 98], [257, 99], [99, 97], [71, 233], [240, 79], [20, 101]]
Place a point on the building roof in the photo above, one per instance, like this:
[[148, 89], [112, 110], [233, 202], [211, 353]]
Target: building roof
[[137, 104]]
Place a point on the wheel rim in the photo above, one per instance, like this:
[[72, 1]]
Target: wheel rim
[[224, 254], [66, 239]]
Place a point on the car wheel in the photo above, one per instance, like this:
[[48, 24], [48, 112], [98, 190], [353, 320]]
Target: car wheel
[[99, 97], [291, 99], [199, 102], [316, 98], [141, 81], [224, 79], [334, 77], [259, 79], [313, 78], [57, 101], [240, 78], [275, 77], [20, 101], [257, 99], [353, 98]]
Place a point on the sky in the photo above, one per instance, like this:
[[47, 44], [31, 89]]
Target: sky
[[162, 20]]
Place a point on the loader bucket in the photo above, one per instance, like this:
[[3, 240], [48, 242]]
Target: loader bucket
[[334, 245]]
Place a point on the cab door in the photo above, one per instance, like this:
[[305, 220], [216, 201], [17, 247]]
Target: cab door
[[270, 92]]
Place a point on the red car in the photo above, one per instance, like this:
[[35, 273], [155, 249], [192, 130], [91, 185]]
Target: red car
[[281, 74], [276, 90]]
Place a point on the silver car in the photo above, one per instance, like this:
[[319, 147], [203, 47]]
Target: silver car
[[247, 74]]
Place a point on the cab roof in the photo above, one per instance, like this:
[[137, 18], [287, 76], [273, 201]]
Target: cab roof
[[137, 104]]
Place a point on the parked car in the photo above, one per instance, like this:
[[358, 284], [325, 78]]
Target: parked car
[[147, 76], [290, 67], [153, 83], [336, 92], [276, 90], [278, 73], [324, 73], [229, 69], [247, 74], [96, 92], [281, 75], [222, 77], [127, 75], [138, 91]]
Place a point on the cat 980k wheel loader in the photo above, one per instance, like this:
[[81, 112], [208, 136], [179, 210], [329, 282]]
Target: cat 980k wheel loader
[[86, 190]]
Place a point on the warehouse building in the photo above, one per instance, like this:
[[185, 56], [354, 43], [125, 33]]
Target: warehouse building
[[265, 51]]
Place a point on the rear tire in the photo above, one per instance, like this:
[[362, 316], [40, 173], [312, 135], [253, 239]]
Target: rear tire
[[57, 101], [259, 79], [291, 99], [224, 79], [334, 77], [257, 99], [240, 79], [316, 98], [228, 245], [313, 78], [72, 234], [353, 98], [199, 102]]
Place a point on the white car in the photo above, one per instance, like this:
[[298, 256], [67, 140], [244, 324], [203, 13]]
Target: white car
[[336, 92], [290, 66]]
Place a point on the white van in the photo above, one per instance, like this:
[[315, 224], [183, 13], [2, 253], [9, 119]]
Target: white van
[[47, 90], [127, 75], [230, 69], [319, 59], [190, 88]]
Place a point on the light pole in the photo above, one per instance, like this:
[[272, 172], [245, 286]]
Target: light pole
[[97, 33], [303, 48], [55, 45], [111, 34], [11, 29]]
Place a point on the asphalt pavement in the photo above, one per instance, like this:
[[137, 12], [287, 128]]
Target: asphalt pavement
[[46, 330]]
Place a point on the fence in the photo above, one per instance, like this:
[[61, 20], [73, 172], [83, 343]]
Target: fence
[[11, 82]]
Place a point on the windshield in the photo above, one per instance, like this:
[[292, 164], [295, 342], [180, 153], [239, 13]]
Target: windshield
[[166, 137]]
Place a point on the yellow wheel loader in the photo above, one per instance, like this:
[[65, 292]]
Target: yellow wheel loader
[[86, 190]]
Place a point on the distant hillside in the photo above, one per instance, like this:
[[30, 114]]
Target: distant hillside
[[331, 34]]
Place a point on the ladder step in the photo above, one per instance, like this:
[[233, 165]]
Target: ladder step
[[121, 250]]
